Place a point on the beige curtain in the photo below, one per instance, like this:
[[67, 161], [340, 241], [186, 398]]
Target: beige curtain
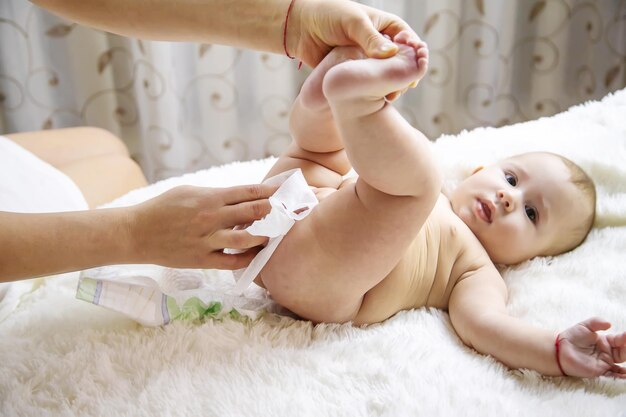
[[182, 107], [499, 62]]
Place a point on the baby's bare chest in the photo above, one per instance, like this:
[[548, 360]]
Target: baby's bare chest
[[424, 276]]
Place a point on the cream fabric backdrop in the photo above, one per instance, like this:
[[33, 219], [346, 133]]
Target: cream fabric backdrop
[[181, 107]]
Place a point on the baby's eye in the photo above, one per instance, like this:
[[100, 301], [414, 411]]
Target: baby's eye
[[531, 213], [510, 178]]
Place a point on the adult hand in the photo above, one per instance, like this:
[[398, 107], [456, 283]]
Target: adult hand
[[316, 26], [188, 227], [585, 353]]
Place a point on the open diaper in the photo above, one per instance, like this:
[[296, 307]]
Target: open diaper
[[154, 295]]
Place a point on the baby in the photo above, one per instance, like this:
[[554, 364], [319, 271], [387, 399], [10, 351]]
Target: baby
[[391, 241]]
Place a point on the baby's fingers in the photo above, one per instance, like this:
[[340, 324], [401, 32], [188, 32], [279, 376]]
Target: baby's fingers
[[617, 342], [616, 372]]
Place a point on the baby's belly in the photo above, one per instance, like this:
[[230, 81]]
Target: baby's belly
[[420, 279]]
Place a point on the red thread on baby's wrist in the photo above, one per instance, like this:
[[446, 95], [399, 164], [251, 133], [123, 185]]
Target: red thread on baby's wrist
[[557, 346], [285, 33]]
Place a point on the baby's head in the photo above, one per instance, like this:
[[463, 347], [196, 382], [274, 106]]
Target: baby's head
[[533, 204]]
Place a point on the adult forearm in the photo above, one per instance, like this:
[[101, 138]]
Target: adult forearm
[[43, 244], [255, 24], [516, 343]]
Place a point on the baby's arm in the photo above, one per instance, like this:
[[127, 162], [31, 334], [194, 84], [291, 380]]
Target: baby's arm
[[478, 313]]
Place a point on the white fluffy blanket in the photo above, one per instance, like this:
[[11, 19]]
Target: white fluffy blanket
[[62, 356]]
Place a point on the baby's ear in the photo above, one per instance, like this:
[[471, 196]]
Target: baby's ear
[[477, 169]]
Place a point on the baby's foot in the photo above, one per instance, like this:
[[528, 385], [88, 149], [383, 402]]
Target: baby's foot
[[311, 95], [375, 79]]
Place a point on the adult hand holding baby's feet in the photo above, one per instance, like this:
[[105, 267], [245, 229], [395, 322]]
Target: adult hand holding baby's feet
[[364, 85], [585, 353], [372, 77]]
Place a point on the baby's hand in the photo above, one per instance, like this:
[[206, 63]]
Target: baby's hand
[[585, 353]]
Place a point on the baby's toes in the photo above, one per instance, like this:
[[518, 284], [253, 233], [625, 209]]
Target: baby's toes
[[408, 37], [422, 51], [402, 37], [422, 61]]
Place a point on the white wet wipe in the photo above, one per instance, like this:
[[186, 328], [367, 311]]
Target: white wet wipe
[[293, 201]]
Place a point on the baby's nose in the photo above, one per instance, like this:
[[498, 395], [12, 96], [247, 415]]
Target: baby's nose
[[506, 199]]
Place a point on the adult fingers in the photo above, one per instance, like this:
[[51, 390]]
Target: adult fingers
[[241, 193], [390, 25], [235, 239], [244, 213], [368, 32], [373, 42], [220, 260]]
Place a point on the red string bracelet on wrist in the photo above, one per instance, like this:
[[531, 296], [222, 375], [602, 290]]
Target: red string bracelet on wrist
[[285, 34], [557, 344]]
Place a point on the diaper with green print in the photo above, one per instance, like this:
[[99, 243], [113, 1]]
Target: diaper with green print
[[154, 295]]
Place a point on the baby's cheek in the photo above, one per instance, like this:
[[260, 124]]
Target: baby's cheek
[[514, 237]]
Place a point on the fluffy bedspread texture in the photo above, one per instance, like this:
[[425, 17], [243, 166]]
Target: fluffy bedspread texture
[[63, 357]]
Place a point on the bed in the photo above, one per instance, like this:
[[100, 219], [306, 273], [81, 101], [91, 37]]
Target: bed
[[61, 356]]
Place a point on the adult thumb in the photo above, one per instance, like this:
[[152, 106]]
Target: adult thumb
[[374, 43]]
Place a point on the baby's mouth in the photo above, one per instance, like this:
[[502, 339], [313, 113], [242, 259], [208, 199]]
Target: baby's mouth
[[484, 211]]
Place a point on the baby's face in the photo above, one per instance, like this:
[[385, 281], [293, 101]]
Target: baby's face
[[518, 207]]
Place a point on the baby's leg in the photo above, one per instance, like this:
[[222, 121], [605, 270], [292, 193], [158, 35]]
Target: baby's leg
[[352, 241], [311, 122], [384, 149], [315, 135]]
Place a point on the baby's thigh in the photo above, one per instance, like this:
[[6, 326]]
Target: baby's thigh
[[294, 282], [328, 261]]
